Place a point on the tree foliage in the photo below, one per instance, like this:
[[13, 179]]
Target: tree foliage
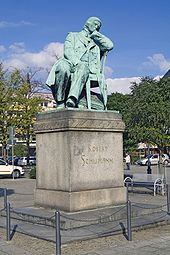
[[145, 111], [18, 104], [6, 101], [26, 107]]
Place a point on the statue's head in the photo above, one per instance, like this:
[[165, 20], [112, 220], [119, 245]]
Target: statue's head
[[92, 24]]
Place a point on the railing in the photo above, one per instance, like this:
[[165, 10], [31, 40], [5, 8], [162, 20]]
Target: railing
[[58, 216]]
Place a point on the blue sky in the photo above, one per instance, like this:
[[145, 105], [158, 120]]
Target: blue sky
[[32, 33]]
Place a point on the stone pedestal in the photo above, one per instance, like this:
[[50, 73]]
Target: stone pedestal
[[79, 160]]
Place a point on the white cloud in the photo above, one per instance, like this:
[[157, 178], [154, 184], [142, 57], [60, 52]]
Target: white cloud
[[121, 85], [2, 49], [160, 61], [158, 77], [19, 57], [108, 71], [17, 48], [6, 24]]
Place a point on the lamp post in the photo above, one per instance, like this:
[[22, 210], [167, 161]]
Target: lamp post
[[11, 141], [149, 169]]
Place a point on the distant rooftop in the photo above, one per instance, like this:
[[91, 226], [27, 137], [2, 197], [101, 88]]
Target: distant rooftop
[[167, 74]]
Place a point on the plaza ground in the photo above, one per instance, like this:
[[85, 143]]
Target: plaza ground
[[145, 242]]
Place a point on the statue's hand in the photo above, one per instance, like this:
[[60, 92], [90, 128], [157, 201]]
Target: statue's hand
[[73, 67], [95, 34]]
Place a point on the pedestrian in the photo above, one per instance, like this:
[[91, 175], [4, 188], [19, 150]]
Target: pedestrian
[[128, 161]]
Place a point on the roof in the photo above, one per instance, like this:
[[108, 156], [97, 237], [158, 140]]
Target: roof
[[167, 74]]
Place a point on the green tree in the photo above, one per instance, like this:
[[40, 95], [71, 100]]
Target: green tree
[[6, 101], [19, 104], [150, 113], [145, 111], [20, 150], [27, 105], [122, 103]]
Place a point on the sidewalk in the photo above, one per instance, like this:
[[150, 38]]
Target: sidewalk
[[148, 244], [7, 249], [158, 246]]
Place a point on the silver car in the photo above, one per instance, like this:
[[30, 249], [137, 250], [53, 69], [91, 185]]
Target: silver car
[[23, 161], [154, 160]]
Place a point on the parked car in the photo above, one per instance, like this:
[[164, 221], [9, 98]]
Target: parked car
[[9, 160], [16, 159], [165, 159], [23, 161], [154, 159], [9, 170]]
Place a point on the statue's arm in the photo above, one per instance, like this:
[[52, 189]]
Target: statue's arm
[[104, 43], [69, 49]]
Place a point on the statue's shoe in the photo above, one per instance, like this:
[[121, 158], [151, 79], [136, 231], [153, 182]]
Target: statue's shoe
[[70, 103]]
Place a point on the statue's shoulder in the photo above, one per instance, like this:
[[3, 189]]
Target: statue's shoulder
[[72, 34]]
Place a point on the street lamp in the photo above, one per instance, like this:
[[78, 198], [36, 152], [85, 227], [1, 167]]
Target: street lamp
[[11, 141], [149, 169]]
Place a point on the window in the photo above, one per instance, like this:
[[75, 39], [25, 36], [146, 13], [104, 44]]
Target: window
[[2, 162]]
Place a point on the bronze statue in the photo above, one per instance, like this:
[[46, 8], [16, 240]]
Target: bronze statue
[[81, 67]]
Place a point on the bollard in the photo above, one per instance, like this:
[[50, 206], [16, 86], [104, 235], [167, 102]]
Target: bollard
[[168, 199], [165, 177], [8, 222], [127, 191], [5, 198], [58, 235], [129, 226]]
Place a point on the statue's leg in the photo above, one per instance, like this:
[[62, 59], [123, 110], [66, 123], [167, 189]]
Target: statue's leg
[[78, 80], [62, 76]]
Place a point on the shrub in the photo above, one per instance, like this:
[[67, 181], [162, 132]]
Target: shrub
[[32, 173]]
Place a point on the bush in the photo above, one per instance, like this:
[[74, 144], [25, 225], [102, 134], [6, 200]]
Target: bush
[[32, 173], [20, 150], [134, 159]]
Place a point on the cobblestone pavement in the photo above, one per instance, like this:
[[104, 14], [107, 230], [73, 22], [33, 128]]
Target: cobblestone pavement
[[145, 242], [155, 241]]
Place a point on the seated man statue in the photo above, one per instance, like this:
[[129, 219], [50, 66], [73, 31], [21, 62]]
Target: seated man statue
[[83, 52]]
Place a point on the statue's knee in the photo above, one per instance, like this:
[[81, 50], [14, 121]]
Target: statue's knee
[[83, 66], [63, 69]]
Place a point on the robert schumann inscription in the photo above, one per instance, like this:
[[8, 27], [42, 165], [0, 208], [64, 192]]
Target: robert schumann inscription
[[95, 155]]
